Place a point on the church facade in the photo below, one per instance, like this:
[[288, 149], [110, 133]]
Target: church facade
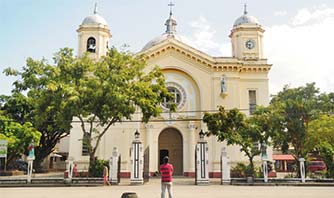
[[199, 82]]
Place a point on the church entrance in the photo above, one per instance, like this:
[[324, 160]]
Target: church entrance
[[171, 145]]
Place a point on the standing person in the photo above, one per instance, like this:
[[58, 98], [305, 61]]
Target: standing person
[[106, 176], [166, 170], [75, 170], [31, 149]]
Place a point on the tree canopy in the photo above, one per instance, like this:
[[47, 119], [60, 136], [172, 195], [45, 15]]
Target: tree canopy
[[320, 139], [98, 92], [42, 97], [297, 106], [113, 89], [246, 132], [18, 136]]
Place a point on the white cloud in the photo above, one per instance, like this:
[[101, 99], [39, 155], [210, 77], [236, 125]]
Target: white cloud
[[226, 49], [301, 51], [203, 35], [308, 17], [280, 13]]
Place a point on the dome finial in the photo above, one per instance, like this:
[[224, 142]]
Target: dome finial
[[95, 8], [171, 23], [245, 9]]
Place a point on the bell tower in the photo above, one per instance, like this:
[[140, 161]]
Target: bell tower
[[246, 37], [94, 36]]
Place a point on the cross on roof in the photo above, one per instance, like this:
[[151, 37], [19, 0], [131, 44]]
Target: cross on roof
[[171, 4]]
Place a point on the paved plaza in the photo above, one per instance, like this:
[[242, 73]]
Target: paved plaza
[[181, 188]]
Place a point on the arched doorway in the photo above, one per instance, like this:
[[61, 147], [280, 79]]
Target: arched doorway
[[171, 144]]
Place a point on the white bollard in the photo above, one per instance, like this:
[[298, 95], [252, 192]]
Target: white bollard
[[302, 169], [265, 170], [226, 167], [113, 164], [70, 167], [264, 158]]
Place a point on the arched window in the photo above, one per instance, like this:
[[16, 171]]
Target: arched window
[[91, 44]]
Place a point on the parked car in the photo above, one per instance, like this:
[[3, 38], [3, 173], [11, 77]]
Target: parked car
[[19, 165], [316, 166]]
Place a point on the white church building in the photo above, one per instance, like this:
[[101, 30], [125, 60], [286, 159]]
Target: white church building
[[200, 83]]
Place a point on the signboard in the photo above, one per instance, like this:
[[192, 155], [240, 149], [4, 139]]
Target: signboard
[[3, 148]]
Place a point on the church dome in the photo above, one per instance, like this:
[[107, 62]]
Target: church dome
[[161, 38], [170, 33], [246, 19], [94, 19]]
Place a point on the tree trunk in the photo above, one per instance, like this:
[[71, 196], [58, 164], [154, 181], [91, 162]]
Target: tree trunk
[[251, 164], [41, 152], [92, 158]]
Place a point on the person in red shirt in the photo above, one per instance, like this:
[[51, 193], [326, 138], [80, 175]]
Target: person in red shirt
[[75, 171], [166, 171]]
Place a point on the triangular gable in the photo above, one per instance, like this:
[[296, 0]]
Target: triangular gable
[[179, 47], [217, 63]]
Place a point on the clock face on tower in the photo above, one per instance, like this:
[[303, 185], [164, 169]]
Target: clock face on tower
[[250, 44]]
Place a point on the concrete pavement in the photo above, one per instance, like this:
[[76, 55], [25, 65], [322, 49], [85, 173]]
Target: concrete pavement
[[181, 188]]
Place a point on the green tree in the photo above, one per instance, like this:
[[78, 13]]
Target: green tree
[[18, 137], [98, 92], [43, 97], [320, 138], [236, 129], [297, 107], [16, 106], [326, 103], [112, 89]]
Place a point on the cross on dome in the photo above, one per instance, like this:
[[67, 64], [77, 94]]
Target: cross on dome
[[171, 4], [245, 9], [94, 19], [246, 19], [95, 8], [170, 22]]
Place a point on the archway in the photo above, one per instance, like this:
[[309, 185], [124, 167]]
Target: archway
[[171, 145]]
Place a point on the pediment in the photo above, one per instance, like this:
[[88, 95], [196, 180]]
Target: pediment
[[216, 63], [178, 47]]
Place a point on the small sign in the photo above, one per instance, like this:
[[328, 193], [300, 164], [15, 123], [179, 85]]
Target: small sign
[[3, 148]]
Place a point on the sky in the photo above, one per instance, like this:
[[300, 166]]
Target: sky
[[298, 40]]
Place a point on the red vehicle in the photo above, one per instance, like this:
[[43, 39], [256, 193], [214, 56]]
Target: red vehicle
[[316, 166]]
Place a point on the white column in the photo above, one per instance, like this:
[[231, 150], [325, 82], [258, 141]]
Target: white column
[[265, 170], [113, 164], [137, 162], [202, 162], [226, 167], [302, 169], [70, 168], [191, 146], [149, 144]]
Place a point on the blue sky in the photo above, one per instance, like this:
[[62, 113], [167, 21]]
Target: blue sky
[[298, 38]]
